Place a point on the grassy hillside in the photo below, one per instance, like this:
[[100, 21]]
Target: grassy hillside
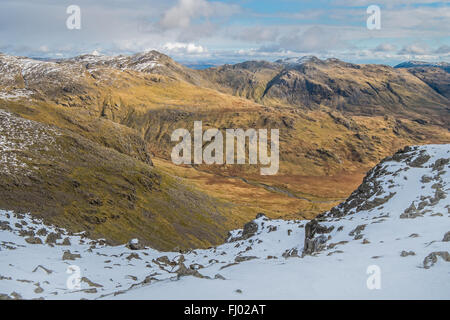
[[109, 170]]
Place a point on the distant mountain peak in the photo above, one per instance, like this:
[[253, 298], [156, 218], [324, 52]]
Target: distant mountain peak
[[296, 60], [424, 64]]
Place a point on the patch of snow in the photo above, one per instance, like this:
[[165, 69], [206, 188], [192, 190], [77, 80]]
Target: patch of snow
[[15, 94], [264, 260], [19, 136]]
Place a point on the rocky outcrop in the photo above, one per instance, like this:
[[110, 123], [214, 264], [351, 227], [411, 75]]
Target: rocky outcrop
[[312, 242], [249, 230], [135, 244], [432, 258], [70, 256]]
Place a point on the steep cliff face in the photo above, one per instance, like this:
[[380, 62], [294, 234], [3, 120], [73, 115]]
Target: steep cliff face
[[356, 89], [411, 184]]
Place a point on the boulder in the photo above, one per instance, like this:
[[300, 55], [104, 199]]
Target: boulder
[[70, 256], [134, 244], [446, 237]]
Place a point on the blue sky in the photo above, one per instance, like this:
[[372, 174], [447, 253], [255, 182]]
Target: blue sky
[[230, 31]]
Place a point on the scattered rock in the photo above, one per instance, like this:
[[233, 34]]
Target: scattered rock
[[439, 164], [133, 256], [357, 230], [90, 283], [411, 212], [135, 244], [148, 280], [183, 271], [249, 231], [312, 243], [420, 160], [228, 265], [333, 252], [4, 225], [16, 296], [42, 232], [332, 245], [446, 237], [66, 242], [5, 297], [70, 256], [432, 258], [33, 240], [52, 237], [38, 288], [48, 271], [165, 260], [407, 253], [244, 258], [290, 253], [260, 215], [91, 290], [26, 233]]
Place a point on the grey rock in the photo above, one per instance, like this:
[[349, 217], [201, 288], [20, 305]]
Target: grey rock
[[407, 253], [70, 256], [135, 244], [33, 240], [432, 258]]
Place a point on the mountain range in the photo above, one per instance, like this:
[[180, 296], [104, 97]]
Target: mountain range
[[85, 142]]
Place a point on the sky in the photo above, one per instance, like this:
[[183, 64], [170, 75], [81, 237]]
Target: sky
[[229, 31]]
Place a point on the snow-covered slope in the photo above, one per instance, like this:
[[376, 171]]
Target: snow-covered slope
[[144, 62], [416, 64], [390, 239], [24, 78], [296, 61]]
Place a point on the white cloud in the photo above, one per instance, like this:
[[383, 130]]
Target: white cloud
[[445, 49], [415, 49], [44, 49], [185, 11], [385, 47], [316, 38], [179, 47]]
